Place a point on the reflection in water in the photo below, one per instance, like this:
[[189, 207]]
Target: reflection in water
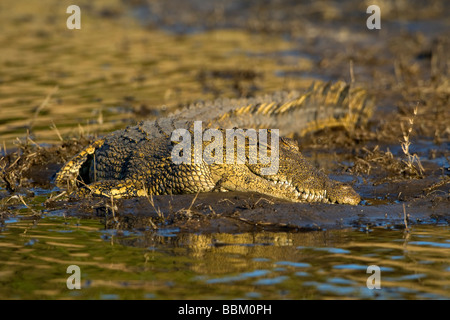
[[268, 265]]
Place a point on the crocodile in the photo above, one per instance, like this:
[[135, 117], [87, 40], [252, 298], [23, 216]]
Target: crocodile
[[138, 160]]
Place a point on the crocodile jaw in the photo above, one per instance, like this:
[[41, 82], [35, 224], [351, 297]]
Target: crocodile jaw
[[313, 186], [333, 192], [342, 193]]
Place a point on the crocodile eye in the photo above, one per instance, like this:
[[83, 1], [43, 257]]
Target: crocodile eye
[[291, 143]]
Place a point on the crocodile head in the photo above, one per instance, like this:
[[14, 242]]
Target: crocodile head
[[296, 179]]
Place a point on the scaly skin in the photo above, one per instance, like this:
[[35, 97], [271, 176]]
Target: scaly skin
[[137, 161]]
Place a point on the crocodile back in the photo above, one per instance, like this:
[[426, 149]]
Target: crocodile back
[[322, 105]]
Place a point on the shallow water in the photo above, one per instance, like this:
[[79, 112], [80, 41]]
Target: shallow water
[[168, 264]]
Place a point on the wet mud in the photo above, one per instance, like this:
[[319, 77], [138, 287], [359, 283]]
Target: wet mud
[[239, 212]]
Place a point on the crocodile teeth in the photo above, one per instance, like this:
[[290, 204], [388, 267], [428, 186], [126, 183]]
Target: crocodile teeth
[[304, 194]]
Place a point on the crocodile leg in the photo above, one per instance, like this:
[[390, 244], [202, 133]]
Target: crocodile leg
[[113, 188], [68, 174]]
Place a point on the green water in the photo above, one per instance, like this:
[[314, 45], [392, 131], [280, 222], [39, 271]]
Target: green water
[[166, 264]]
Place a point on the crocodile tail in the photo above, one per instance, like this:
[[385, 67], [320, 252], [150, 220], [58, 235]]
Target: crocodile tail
[[323, 105], [336, 105]]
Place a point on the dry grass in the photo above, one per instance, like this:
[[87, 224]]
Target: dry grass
[[13, 166], [412, 162], [189, 213], [157, 210], [405, 218], [17, 167]]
